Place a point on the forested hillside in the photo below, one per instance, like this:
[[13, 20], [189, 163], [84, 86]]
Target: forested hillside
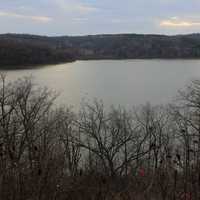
[[21, 50], [135, 46]]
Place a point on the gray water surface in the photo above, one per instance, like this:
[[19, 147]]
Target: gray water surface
[[124, 82]]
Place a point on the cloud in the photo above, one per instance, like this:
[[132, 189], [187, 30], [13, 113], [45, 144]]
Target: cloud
[[80, 20], [42, 19], [84, 8], [118, 21], [177, 23], [74, 7]]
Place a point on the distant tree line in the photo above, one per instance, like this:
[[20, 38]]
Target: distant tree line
[[22, 53], [19, 50], [49, 152], [131, 46]]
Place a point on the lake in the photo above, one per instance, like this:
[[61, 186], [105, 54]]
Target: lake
[[124, 82]]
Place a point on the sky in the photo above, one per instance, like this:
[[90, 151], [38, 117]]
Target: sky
[[85, 17]]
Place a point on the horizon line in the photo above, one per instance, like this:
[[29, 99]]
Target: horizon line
[[101, 34]]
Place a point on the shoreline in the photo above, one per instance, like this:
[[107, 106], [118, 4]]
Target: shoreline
[[38, 66]]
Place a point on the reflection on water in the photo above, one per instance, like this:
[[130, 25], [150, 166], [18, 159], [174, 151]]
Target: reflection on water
[[125, 82]]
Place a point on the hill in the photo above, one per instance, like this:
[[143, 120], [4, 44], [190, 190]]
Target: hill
[[22, 49]]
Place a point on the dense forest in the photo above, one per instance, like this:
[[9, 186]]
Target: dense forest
[[53, 153], [19, 50]]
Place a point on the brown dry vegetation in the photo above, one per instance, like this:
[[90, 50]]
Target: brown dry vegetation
[[48, 153]]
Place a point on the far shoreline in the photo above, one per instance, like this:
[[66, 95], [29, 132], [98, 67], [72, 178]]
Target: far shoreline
[[39, 66]]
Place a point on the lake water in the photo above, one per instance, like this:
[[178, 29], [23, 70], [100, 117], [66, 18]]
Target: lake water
[[124, 82]]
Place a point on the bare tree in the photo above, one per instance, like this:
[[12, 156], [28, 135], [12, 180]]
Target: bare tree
[[112, 137]]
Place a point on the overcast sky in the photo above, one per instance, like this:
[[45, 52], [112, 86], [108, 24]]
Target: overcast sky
[[82, 17]]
